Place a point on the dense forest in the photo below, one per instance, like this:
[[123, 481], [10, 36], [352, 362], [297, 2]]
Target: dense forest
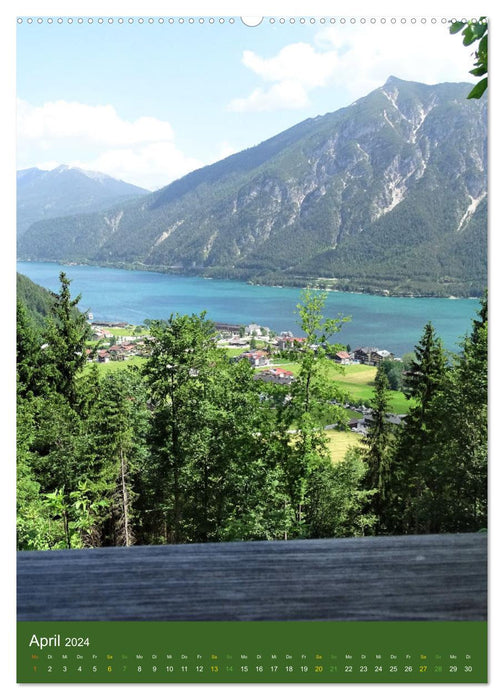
[[190, 448], [37, 300]]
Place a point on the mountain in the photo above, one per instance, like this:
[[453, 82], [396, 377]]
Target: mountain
[[43, 194], [389, 193], [37, 300]]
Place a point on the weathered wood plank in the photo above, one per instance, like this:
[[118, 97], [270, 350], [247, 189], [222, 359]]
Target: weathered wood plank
[[426, 577]]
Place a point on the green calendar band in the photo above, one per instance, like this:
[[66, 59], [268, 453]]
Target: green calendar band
[[252, 652]]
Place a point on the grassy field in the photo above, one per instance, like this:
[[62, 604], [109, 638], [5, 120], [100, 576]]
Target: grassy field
[[234, 352], [110, 367], [354, 374], [340, 442], [358, 382], [364, 391], [129, 331]]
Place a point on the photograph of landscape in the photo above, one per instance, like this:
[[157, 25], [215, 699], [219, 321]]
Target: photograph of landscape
[[252, 319]]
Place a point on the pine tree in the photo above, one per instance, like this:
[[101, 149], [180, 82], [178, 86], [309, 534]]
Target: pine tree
[[118, 426], [66, 337], [427, 371], [463, 444], [59, 455], [34, 528], [212, 476], [29, 361], [415, 471], [59, 448], [178, 373], [378, 455]]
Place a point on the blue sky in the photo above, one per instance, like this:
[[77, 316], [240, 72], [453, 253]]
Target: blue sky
[[149, 102]]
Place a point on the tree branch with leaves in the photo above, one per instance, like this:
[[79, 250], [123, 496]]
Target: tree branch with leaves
[[472, 31]]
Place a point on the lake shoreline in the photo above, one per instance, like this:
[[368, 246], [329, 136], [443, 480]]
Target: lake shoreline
[[134, 296], [177, 272]]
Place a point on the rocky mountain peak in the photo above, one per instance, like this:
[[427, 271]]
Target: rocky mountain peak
[[389, 192]]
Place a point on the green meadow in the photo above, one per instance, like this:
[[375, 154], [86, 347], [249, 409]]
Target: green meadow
[[105, 368], [340, 441], [358, 382]]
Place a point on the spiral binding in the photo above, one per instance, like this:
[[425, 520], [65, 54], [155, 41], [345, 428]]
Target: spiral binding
[[232, 20]]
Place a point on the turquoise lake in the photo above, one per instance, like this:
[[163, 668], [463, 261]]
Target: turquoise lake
[[393, 323]]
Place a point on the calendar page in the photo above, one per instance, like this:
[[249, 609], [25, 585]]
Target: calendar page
[[251, 347]]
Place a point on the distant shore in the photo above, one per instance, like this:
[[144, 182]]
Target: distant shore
[[321, 283]]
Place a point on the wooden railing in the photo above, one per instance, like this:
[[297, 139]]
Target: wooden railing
[[424, 577]]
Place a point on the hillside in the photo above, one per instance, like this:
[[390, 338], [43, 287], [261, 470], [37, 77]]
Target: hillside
[[37, 300], [63, 191], [389, 194]]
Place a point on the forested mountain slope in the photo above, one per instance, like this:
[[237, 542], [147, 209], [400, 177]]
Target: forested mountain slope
[[388, 193], [37, 300]]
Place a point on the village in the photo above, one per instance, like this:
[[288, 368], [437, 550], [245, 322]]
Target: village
[[262, 348]]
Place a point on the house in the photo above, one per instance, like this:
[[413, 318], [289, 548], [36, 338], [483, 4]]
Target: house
[[358, 425], [116, 352], [289, 342], [227, 329], [103, 356], [396, 418], [100, 334], [362, 425], [257, 358], [252, 328], [343, 358], [110, 324], [381, 355], [276, 375], [236, 341], [363, 355], [371, 355]]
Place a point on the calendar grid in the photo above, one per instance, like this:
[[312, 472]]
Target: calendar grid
[[269, 652]]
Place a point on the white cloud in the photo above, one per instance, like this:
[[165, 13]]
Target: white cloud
[[47, 165], [295, 70], [298, 62], [420, 52], [142, 151], [224, 150], [151, 166], [98, 124], [288, 94], [355, 59]]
